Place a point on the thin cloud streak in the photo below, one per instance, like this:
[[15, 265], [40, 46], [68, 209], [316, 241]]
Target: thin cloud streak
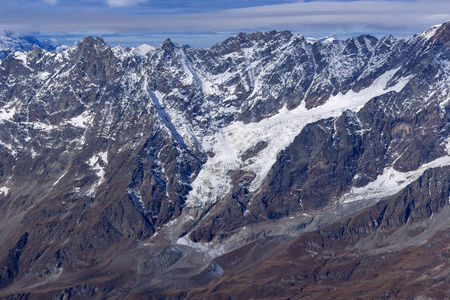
[[122, 3]]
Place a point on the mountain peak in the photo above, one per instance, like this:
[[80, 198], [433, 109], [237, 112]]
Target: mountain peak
[[89, 43], [328, 39], [259, 35], [246, 40], [168, 43], [442, 32], [169, 46], [90, 39]]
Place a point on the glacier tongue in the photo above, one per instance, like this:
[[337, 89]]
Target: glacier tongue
[[278, 131], [391, 182]]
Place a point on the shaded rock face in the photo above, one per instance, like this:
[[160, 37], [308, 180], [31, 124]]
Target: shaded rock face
[[115, 166], [11, 262]]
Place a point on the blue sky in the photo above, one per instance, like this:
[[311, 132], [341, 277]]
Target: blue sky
[[202, 23]]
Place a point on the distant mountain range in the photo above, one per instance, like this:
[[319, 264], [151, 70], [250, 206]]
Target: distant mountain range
[[11, 42], [269, 166]]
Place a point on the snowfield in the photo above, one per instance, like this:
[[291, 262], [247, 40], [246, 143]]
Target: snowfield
[[229, 143]]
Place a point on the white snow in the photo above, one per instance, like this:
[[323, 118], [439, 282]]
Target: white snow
[[81, 121], [136, 194], [143, 49], [447, 145], [7, 114], [329, 39], [22, 57], [431, 31], [4, 190], [33, 153], [278, 131], [175, 122], [211, 250], [19, 55], [62, 48], [391, 182], [104, 157], [10, 147], [91, 192], [310, 40], [56, 182], [324, 40], [98, 163], [43, 75], [41, 126], [119, 52], [80, 142]]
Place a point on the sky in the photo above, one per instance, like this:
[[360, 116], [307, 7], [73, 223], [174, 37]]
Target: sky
[[202, 23]]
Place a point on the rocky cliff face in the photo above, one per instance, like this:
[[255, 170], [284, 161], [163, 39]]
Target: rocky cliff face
[[181, 171]]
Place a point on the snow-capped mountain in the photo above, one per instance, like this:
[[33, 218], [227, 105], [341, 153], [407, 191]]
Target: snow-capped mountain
[[263, 163], [11, 42]]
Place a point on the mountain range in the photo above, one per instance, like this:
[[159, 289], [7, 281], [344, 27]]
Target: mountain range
[[11, 42], [268, 166]]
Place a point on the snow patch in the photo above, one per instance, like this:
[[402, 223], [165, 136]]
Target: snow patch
[[391, 182], [80, 142], [81, 121], [98, 164], [447, 145], [4, 190], [137, 197], [62, 48], [119, 52], [10, 147], [430, 32], [43, 75], [143, 49], [56, 182], [329, 39], [22, 57], [310, 40], [33, 153], [175, 122], [41, 126], [7, 114], [211, 250]]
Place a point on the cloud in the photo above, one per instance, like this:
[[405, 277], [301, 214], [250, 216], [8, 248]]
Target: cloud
[[313, 18], [308, 17], [52, 2], [122, 3]]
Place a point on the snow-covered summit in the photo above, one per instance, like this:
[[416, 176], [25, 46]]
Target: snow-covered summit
[[143, 49], [140, 51]]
